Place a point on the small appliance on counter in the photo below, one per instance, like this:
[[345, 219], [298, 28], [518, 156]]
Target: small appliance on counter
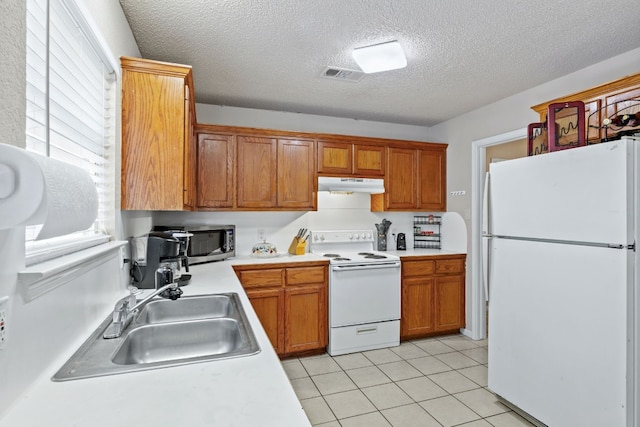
[[152, 251], [206, 242], [401, 242]]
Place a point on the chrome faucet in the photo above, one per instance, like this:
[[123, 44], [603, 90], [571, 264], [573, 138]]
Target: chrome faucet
[[126, 308]]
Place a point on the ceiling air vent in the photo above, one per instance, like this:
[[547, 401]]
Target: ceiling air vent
[[343, 74]]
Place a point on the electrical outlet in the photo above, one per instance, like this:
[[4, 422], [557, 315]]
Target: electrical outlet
[[4, 303], [261, 237], [122, 257]]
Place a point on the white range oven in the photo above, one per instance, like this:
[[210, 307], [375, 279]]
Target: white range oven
[[364, 291]]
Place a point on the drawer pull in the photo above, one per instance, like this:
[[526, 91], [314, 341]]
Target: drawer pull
[[366, 331]]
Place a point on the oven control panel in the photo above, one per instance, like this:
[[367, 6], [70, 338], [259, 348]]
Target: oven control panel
[[342, 236]]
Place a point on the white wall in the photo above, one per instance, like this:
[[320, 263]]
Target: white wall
[[514, 113], [507, 115], [40, 331], [335, 211], [298, 122]]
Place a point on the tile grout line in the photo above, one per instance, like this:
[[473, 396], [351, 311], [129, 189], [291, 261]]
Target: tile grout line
[[407, 360]]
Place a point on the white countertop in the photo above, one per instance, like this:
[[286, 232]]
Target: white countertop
[[244, 391]]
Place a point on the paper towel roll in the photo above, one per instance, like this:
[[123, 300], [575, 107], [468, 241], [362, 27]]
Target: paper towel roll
[[39, 190]]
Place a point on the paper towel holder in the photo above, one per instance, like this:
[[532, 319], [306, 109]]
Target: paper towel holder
[[7, 181]]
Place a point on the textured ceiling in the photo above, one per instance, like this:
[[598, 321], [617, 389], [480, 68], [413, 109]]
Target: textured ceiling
[[461, 54]]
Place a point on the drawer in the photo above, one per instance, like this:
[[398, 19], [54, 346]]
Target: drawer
[[303, 275], [449, 266], [418, 268], [262, 277], [348, 339]]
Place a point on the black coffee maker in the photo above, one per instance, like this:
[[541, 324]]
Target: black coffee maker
[[152, 251]]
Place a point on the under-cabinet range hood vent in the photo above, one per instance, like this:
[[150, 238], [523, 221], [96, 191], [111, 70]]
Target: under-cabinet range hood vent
[[344, 74], [351, 185]]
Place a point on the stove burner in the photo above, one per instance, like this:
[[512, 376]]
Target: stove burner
[[365, 253], [374, 256], [331, 255], [342, 259]]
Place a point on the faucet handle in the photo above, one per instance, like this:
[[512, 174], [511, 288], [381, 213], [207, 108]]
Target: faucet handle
[[134, 290], [172, 293]]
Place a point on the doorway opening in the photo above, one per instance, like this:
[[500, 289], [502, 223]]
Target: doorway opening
[[509, 145]]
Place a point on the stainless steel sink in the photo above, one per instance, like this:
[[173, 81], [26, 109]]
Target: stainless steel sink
[[186, 308], [180, 341], [167, 333]]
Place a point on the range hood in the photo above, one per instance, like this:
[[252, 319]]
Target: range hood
[[351, 185]]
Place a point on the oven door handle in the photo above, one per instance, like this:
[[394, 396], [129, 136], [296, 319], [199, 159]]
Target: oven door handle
[[366, 266]]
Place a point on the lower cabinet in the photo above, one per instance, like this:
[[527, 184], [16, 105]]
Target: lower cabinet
[[433, 295], [291, 303], [269, 306]]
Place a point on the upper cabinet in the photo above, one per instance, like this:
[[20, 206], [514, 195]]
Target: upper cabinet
[[257, 179], [343, 158], [216, 170], [432, 179], [296, 174], [254, 171], [275, 173], [415, 179], [158, 140]]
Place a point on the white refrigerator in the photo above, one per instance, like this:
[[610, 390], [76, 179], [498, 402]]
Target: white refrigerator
[[563, 285]]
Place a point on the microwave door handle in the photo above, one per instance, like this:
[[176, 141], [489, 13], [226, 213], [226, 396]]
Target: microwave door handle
[[365, 267]]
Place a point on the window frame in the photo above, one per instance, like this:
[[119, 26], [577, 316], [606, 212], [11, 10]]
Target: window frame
[[37, 251]]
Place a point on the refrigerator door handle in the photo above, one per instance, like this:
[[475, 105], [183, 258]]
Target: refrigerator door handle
[[486, 246], [486, 237]]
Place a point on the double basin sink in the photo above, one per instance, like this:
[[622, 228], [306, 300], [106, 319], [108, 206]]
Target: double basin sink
[[167, 333]]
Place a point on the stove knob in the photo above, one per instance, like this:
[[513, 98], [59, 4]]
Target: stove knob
[[363, 235], [357, 237], [350, 236], [322, 237], [315, 237], [369, 235]]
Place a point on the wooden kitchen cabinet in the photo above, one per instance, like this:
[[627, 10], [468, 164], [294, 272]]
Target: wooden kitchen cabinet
[[296, 182], [433, 295], [158, 141], [275, 173], [291, 303], [305, 318], [269, 307], [432, 178], [401, 181], [338, 158], [257, 178], [216, 170], [415, 180]]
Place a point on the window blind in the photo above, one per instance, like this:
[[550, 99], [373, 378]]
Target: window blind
[[70, 111]]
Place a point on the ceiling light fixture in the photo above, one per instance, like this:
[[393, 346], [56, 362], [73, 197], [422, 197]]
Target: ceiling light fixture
[[380, 57]]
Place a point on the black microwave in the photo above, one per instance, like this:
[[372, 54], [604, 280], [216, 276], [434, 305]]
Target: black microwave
[[207, 242]]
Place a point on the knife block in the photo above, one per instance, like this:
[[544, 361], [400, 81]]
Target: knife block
[[297, 247]]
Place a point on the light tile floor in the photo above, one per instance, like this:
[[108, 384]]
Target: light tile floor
[[434, 382]]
